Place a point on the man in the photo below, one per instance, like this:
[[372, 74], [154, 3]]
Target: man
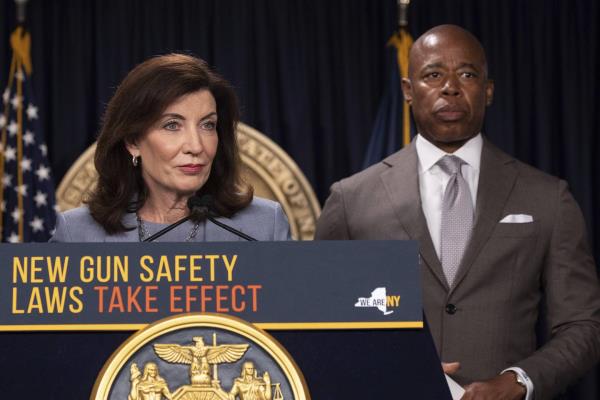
[[498, 239]]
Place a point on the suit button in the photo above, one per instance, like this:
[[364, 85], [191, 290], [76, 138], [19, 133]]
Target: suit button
[[451, 309]]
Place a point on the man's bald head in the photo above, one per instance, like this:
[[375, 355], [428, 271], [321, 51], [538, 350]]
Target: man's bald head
[[443, 35], [447, 86]]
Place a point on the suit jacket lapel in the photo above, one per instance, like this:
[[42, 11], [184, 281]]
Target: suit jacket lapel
[[496, 180], [401, 182]]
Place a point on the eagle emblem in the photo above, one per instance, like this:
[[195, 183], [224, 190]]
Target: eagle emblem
[[199, 356]]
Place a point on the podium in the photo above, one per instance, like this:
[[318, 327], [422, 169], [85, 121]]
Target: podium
[[320, 300]]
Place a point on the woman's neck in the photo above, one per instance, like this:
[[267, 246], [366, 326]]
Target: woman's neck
[[164, 209]]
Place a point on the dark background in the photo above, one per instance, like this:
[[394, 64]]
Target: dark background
[[310, 75]]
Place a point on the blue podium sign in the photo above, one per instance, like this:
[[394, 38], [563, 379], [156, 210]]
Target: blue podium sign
[[276, 285]]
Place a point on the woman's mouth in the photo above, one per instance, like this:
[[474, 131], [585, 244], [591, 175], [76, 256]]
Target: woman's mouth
[[191, 169]]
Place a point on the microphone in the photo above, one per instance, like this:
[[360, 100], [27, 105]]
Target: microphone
[[204, 206], [195, 209], [167, 229], [200, 207]]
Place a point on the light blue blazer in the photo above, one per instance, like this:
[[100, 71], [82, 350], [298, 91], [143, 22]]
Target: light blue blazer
[[263, 220]]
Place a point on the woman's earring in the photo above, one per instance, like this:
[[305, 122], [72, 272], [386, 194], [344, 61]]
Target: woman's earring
[[134, 161]]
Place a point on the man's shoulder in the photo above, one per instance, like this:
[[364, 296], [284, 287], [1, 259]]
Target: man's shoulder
[[526, 172], [534, 174], [371, 175]]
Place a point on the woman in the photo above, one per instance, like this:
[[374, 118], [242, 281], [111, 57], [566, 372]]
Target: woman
[[169, 134]]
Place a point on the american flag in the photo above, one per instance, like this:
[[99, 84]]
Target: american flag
[[27, 198]]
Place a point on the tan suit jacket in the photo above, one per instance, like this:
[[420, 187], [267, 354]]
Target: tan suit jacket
[[487, 320]]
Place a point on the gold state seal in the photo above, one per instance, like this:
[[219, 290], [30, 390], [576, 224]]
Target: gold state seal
[[178, 364]]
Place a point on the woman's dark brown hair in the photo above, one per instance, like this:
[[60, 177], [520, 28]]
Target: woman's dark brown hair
[[137, 104]]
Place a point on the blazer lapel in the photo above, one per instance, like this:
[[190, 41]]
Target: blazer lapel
[[496, 180], [401, 182]]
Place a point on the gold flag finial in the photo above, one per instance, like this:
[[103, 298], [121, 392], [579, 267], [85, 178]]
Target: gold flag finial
[[20, 41]]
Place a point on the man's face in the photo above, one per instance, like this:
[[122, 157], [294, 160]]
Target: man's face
[[249, 369], [152, 371], [448, 88]]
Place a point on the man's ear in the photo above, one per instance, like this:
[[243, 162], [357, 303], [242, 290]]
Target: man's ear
[[489, 92], [407, 90]]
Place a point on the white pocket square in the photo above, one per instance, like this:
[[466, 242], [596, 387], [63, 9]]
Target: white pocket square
[[517, 219]]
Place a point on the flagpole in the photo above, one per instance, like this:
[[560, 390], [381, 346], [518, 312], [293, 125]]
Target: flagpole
[[402, 13], [21, 14], [403, 41], [21, 11]]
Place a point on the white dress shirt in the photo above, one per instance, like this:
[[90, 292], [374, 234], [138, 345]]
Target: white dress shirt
[[433, 181]]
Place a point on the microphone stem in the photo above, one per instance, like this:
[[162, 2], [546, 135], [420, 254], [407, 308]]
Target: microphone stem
[[230, 229], [167, 229]]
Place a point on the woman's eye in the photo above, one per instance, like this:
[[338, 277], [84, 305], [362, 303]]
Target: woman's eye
[[209, 125], [171, 125]]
